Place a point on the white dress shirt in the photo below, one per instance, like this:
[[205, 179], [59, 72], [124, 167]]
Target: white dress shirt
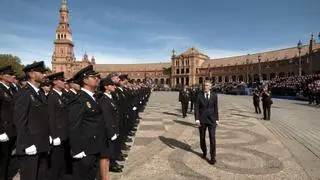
[[89, 93]]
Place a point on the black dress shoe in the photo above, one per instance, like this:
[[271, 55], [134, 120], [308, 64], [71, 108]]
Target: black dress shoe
[[131, 133], [121, 158], [212, 161], [124, 155], [117, 169]]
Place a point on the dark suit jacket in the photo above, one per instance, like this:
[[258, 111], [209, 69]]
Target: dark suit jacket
[[31, 119], [86, 127], [207, 111], [184, 96], [6, 111], [58, 115], [110, 116]]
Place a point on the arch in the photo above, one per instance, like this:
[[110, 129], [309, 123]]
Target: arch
[[200, 80], [207, 78], [234, 78], [256, 77], [264, 77], [167, 81], [156, 81], [213, 79], [250, 77], [138, 80], [161, 81], [220, 79], [281, 74], [272, 75], [241, 78], [58, 36], [226, 79]]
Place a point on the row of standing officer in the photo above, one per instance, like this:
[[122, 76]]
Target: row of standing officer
[[68, 120]]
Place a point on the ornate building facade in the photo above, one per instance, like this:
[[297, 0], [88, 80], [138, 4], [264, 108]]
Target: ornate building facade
[[192, 67]]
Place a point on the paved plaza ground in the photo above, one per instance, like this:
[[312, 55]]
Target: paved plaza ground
[[167, 146]]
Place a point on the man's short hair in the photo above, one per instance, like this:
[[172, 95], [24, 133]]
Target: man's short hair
[[207, 81]]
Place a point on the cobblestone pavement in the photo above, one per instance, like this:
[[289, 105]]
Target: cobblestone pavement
[[167, 146]]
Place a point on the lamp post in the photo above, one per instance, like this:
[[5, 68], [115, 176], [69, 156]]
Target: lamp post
[[299, 47], [247, 69], [259, 66]]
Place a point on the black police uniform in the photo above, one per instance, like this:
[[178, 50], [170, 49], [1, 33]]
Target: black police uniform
[[86, 132], [6, 122], [58, 121], [32, 124]]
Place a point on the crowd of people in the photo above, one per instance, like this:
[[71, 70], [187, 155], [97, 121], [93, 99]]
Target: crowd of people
[[66, 128]]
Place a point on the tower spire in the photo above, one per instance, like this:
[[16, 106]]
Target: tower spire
[[64, 5]]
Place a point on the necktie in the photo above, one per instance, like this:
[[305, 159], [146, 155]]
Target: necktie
[[207, 96]]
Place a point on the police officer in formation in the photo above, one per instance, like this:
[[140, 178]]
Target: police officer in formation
[[78, 125], [7, 129]]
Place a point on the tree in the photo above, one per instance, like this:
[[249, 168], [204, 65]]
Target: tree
[[14, 61], [167, 71]]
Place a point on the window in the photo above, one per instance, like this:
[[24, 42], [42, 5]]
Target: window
[[177, 71], [182, 71], [187, 70]]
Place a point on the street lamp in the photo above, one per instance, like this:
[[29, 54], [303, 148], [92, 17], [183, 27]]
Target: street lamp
[[247, 61], [259, 66], [299, 46]]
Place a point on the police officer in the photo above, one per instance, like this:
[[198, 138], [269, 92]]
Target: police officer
[[86, 127], [32, 124], [111, 124], [7, 129], [58, 120]]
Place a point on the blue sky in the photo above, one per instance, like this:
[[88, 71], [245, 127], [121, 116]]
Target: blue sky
[[146, 31]]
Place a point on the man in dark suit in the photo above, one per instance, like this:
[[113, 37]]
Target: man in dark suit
[[58, 120], [7, 129], [86, 127], [266, 103], [184, 97], [256, 101], [207, 117], [32, 124]]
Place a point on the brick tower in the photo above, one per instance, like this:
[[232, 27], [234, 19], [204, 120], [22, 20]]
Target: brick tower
[[63, 56]]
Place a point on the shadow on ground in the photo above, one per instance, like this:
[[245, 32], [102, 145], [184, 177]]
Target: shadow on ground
[[173, 144], [172, 114], [185, 123]]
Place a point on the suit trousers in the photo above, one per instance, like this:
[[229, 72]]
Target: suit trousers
[[57, 166], [34, 167], [257, 108], [212, 138], [184, 106], [266, 112], [6, 148], [86, 168]]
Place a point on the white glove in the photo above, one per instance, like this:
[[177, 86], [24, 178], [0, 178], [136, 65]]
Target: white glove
[[197, 122], [32, 150], [57, 141], [50, 139], [134, 108], [14, 152], [140, 102], [80, 155], [4, 137], [217, 122], [114, 137]]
